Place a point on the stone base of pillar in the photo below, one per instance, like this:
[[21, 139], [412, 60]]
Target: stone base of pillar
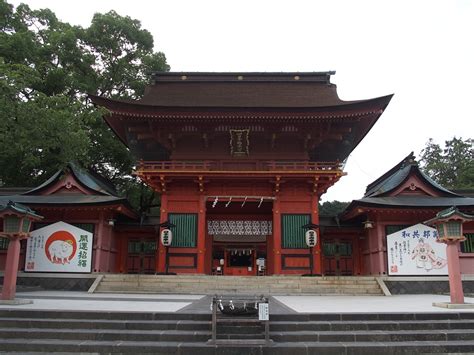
[[15, 302], [453, 305]]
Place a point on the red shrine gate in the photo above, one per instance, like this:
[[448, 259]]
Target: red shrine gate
[[242, 220], [240, 161]]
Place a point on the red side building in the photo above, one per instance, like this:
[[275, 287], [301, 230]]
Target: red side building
[[402, 197], [81, 198], [241, 161]]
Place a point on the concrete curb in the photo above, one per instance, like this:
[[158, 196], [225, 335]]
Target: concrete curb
[[95, 284], [384, 287]]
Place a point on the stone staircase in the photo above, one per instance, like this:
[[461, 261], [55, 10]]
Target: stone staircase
[[25, 331], [209, 285]]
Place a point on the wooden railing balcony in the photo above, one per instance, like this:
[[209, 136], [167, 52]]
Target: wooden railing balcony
[[241, 165]]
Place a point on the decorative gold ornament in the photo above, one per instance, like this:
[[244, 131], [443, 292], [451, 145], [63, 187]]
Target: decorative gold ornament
[[239, 142]]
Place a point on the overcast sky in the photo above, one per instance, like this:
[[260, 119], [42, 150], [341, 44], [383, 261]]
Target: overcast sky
[[422, 51]]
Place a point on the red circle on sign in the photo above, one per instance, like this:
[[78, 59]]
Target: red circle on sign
[[65, 237]]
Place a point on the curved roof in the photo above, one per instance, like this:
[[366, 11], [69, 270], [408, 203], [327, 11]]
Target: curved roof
[[398, 174], [198, 89], [414, 201], [64, 200], [87, 178], [378, 192], [244, 99], [102, 193]]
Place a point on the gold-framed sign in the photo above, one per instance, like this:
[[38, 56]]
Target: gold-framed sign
[[239, 142]]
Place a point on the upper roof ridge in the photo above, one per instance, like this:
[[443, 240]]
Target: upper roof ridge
[[88, 178]]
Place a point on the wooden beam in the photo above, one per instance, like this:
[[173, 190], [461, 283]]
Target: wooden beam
[[134, 129], [145, 136]]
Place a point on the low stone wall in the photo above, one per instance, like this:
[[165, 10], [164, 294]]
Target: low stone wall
[[417, 285], [56, 282]]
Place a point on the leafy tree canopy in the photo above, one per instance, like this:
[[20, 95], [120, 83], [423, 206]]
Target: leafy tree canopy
[[451, 166], [332, 208], [47, 68]]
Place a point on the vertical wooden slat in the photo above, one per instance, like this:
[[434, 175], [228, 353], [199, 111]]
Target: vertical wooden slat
[[468, 245], [293, 234], [185, 232]]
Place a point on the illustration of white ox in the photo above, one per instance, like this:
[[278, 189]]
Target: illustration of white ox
[[60, 251]]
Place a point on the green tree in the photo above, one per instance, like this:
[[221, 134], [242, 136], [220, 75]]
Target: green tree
[[332, 208], [47, 68], [451, 166]]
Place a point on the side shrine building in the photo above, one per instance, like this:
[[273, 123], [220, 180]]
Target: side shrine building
[[241, 161]]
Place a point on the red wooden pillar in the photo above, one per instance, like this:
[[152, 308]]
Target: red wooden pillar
[[317, 257], [454, 272], [208, 255], [276, 237], [201, 237], [108, 230], [380, 228], [161, 255], [11, 269], [356, 254], [122, 253], [98, 242], [372, 256]]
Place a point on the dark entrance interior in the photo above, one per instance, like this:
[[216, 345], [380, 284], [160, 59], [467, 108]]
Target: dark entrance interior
[[337, 256], [141, 256], [238, 258]]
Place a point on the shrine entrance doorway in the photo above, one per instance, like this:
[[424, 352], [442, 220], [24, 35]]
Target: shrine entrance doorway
[[337, 257], [141, 255], [238, 231], [239, 259]]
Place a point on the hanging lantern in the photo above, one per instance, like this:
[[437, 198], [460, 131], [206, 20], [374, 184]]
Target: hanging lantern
[[311, 238]]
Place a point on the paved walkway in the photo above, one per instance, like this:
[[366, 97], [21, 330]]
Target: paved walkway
[[62, 300]]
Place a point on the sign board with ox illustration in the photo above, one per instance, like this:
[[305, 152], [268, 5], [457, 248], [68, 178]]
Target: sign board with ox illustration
[[59, 247]]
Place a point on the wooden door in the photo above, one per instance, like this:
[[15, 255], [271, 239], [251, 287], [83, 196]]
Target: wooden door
[[141, 256], [337, 257]]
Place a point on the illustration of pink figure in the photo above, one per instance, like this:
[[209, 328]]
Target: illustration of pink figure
[[426, 257]]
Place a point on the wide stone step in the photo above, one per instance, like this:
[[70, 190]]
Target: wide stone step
[[371, 325], [106, 334], [374, 335], [213, 284], [206, 325], [239, 329], [282, 288], [227, 332], [36, 345], [104, 324], [127, 317], [236, 279], [369, 317]]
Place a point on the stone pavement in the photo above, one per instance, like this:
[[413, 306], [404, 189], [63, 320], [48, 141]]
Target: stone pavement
[[83, 301]]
